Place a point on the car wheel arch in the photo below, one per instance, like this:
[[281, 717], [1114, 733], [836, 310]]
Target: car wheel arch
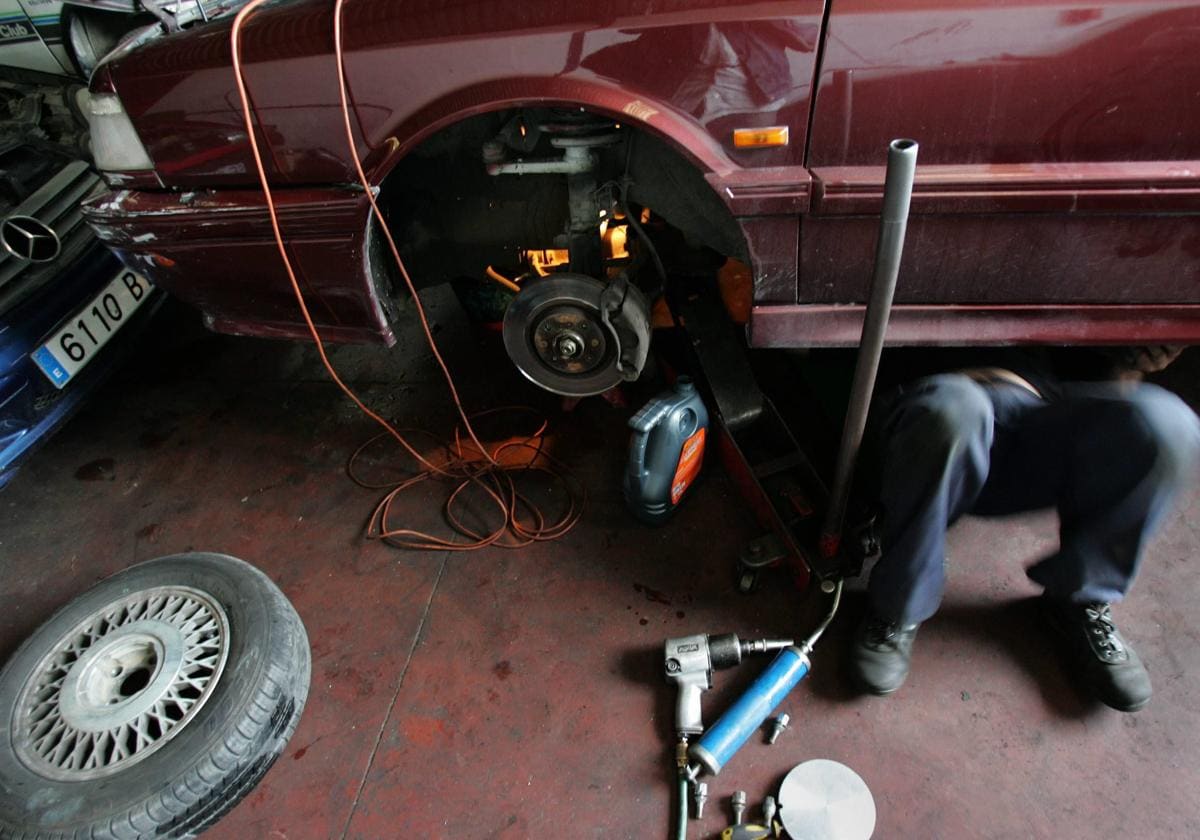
[[669, 174]]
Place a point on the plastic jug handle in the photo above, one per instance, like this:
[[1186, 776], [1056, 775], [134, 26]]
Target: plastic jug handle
[[637, 452], [643, 424]]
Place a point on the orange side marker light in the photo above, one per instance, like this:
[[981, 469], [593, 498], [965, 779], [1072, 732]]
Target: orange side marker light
[[760, 138]]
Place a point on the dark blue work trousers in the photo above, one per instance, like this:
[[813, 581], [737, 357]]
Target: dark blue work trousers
[[1111, 457]]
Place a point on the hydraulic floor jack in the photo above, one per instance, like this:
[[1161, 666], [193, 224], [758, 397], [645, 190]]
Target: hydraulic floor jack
[[779, 473]]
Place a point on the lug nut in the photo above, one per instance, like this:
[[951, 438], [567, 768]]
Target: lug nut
[[568, 346], [739, 806], [780, 724], [769, 810]]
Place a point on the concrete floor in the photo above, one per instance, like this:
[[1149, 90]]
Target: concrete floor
[[514, 694]]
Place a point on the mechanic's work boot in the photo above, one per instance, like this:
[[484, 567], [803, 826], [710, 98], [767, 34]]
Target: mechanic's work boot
[[881, 654], [1110, 668]]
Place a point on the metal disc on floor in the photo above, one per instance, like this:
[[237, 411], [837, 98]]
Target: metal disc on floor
[[826, 800]]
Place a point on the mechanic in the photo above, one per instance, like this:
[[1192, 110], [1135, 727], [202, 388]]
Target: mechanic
[[1110, 455]]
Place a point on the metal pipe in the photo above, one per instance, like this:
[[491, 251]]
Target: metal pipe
[[897, 193]]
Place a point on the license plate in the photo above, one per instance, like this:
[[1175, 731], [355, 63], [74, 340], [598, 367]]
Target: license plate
[[83, 334]]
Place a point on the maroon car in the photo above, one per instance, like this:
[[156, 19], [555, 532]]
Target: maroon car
[[1056, 199]]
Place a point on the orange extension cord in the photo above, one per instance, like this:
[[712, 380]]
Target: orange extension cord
[[463, 464]]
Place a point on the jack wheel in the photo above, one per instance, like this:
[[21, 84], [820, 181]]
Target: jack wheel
[[747, 580]]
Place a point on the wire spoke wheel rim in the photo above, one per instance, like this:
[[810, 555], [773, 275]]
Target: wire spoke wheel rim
[[121, 684]]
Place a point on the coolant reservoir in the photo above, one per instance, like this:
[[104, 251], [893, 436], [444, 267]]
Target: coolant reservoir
[[666, 451]]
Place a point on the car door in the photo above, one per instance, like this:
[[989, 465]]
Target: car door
[[1059, 169]]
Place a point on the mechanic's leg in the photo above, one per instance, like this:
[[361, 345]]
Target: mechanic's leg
[[1139, 451], [1113, 457], [934, 460]]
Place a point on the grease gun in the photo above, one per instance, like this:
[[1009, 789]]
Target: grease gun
[[747, 714]]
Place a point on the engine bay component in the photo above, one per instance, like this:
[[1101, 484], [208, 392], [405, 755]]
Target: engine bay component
[[580, 136], [575, 336], [544, 260], [577, 157]]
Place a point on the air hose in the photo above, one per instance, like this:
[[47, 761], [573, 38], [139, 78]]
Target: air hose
[[681, 807]]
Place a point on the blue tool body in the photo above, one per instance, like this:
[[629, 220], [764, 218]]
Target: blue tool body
[[744, 717]]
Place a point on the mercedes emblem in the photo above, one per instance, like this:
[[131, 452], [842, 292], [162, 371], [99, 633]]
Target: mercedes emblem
[[28, 239]]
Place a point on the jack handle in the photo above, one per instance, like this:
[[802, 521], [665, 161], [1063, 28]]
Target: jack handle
[[897, 194]]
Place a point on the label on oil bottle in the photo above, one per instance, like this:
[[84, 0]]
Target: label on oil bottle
[[690, 459]]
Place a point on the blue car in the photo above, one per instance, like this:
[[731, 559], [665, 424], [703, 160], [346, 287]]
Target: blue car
[[68, 309]]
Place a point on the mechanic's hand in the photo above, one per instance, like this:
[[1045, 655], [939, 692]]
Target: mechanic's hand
[[1135, 362], [1155, 357]]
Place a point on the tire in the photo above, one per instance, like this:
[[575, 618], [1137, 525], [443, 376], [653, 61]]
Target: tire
[[141, 730]]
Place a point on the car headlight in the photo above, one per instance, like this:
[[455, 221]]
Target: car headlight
[[116, 146]]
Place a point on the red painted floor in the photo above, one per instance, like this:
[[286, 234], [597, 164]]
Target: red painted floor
[[514, 694]]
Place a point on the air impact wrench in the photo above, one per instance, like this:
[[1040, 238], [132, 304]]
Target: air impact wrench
[[690, 661]]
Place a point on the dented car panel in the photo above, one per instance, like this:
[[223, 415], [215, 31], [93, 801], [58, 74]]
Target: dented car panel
[[204, 246]]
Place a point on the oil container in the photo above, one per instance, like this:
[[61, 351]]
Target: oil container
[[665, 452]]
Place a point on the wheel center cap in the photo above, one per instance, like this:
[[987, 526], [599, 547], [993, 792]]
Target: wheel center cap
[[122, 678]]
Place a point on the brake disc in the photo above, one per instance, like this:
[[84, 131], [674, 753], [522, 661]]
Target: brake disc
[[826, 800], [557, 335]]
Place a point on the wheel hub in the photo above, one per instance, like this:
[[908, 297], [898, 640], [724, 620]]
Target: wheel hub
[[554, 333], [570, 340]]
